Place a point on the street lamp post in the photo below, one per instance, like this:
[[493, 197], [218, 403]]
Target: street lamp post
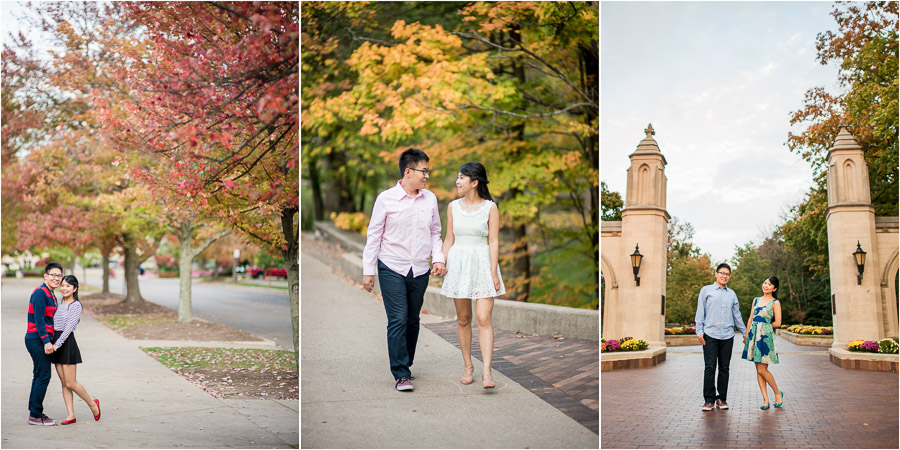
[[636, 258], [860, 257]]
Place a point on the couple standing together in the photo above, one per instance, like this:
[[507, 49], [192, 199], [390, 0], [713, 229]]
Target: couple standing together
[[718, 313], [405, 233], [50, 339]]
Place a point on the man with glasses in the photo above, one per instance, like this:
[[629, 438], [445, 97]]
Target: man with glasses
[[38, 338], [718, 312], [404, 233]]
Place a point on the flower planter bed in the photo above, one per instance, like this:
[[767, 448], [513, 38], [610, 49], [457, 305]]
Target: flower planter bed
[[818, 340], [677, 340], [632, 360], [878, 362]]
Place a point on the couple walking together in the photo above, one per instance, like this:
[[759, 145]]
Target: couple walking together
[[50, 339], [718, 313], [405, 232]]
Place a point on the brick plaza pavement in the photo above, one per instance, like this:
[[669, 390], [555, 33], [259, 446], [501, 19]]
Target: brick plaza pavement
[[824, 406], [562, 372]]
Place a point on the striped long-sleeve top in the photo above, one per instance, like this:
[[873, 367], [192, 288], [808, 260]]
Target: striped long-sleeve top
[[66, 319]]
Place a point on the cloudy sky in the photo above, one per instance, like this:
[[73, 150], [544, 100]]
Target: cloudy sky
[[718, 81]]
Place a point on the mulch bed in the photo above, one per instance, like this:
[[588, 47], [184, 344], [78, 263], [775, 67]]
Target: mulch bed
[[189, 331], [235, 383]]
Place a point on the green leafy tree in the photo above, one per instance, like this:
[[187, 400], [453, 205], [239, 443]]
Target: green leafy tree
[[687, 270], [512, 85], [866, 47], [749, 271], [611, 203]]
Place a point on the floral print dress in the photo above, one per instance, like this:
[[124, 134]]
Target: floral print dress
[[760, 345]]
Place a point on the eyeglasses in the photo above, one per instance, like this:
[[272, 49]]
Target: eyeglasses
[[425, 171], [55, 275], [724, 274]]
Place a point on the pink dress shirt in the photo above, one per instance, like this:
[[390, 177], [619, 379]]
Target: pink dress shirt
[[404, 232]]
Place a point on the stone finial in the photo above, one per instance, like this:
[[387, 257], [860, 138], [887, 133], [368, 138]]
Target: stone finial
[[843, 123], [649, 131]]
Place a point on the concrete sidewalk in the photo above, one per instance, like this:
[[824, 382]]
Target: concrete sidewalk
[[144, 404], [348, 398]]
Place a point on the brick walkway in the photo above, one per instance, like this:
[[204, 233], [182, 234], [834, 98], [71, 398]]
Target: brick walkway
[[562, 372], [824, 406]]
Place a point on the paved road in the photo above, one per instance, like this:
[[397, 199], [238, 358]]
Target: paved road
[[265, 312], [143, 403], [824, 406]]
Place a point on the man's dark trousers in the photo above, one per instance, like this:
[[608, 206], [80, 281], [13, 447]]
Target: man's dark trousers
[[402, 298], [41, 376], [716, 350]]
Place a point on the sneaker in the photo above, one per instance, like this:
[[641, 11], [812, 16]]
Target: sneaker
[[708, 406], [403, 384], [43, 420], [721, 404]]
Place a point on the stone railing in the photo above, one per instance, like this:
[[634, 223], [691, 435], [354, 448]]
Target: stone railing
[[677, 340]]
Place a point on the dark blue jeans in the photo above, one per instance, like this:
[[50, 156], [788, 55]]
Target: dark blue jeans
[[402, 298], [716, 351], [41, 376]]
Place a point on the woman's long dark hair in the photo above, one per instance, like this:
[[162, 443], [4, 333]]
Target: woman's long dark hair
[[74, 282], [475, 171], [774, 282]]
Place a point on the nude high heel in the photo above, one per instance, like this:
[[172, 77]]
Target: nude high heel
[[486, 381], [467, 375]]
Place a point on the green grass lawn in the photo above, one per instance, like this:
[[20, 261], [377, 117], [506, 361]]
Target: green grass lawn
[[232, 358]]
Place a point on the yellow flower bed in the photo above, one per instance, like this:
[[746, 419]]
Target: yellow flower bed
[[808, 329]]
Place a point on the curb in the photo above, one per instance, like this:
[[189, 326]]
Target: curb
[[256, 345]]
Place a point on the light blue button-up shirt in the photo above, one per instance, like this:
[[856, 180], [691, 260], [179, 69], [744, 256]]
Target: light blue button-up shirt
[[718, 312]]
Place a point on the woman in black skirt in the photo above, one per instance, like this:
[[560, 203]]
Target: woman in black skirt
[[66, 355]]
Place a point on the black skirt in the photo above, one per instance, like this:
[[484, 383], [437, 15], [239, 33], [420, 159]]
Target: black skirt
[[68, 353]]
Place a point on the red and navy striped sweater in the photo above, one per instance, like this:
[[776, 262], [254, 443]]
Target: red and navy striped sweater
[[42, 300]]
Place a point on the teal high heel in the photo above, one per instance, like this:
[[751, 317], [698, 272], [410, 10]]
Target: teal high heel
[[764, 407], [778, 405]]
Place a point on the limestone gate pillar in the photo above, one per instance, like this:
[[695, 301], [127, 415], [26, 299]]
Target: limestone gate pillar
[[856, 307], [640, 310]]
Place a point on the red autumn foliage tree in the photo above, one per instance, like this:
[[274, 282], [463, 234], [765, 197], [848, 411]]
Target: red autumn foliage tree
[[214, 97]]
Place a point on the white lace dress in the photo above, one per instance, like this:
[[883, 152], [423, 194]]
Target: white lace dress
[[469, 259]]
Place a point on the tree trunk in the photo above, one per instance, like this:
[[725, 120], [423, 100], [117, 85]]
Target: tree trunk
[[133, 291], [337, 195], [105, 264], [291, 259], [315, 184], [522, 261], [186, 258], [185, 235], [590, 65]]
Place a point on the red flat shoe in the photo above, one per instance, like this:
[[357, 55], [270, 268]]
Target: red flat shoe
[[96, 417], [66, 422]]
